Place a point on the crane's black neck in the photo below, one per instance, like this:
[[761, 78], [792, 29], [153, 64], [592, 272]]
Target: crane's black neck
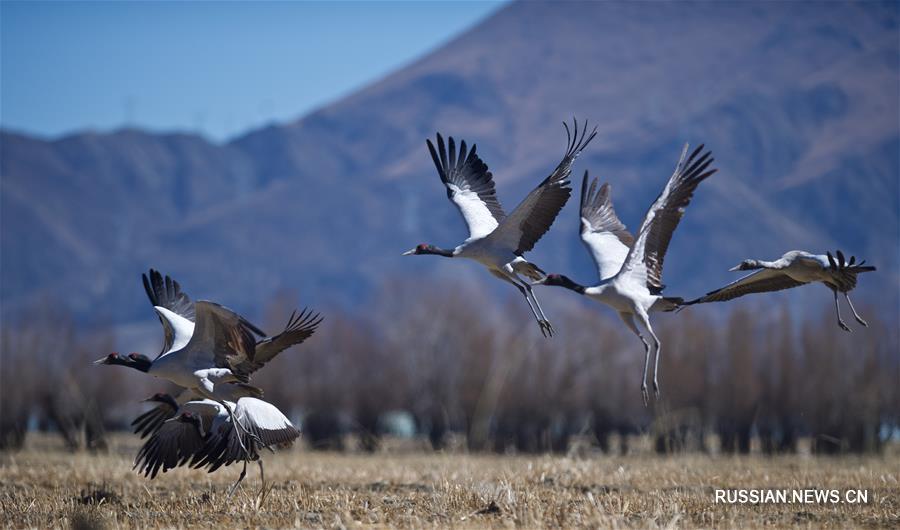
[[564, 281], [137, 361]]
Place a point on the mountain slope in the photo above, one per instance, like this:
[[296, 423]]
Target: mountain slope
[[797, 101]]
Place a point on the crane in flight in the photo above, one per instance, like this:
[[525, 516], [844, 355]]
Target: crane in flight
[[793, 269], [630, 268], [496, 240]]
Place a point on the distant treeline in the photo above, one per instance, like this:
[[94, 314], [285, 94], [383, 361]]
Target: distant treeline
[[459, 362]]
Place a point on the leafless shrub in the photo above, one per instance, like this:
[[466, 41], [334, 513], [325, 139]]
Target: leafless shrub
[[47, 380]]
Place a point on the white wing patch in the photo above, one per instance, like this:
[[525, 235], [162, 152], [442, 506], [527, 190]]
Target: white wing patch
[[606, 248], [182, 328], [262, 415], [476, 214]]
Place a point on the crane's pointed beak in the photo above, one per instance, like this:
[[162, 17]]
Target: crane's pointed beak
[[101, 360], [542, 281], [736, 268], [409, 252]]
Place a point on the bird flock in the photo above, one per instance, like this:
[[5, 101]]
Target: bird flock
[[210, 352], [629, 267]]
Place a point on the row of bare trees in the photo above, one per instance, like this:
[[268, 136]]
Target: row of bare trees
[[459, 363], [46, 381]]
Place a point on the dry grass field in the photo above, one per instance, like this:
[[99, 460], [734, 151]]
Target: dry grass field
[[44, 487]]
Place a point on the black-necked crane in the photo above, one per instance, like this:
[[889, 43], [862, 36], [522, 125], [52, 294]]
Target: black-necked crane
[[208, 348], [496, 240], [793, 269], [204, 433], [207, 344], [629, 268]]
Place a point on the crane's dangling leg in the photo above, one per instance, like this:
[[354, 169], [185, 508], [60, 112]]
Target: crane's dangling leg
[[529, 270], [656, 350], [645, 321], [628, 319], [238, 428], [540, 321], [207, 389], [522, 290], [855, 314], [838, 310], [240, 478], [544, 323]]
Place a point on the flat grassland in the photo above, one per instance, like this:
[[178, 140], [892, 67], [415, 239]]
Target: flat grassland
[[45, 487]]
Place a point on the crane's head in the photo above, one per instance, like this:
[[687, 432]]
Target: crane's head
[[139, 361], [113, 358], [424, 248], [138, 358], [132, 360]]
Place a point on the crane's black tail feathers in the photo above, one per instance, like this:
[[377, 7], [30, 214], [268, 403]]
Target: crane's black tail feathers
[[841, 264]]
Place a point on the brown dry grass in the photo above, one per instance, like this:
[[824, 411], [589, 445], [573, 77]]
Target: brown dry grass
[[44, 487]]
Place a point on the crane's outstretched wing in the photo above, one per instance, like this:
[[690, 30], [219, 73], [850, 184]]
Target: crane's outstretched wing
[[150, 421], [222, 338], [645, 260], [166, 293], [470, 186], [604, 235], [533, 216], [178, 440], [300, 327], [761, 281]]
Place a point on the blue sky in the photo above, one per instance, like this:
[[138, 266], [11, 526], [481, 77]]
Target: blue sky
[[217, 68]]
